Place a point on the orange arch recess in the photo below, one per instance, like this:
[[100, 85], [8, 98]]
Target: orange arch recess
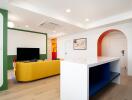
[[99, 43]]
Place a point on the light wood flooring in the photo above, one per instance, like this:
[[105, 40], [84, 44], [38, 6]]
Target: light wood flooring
[[49, 89], [44, 89]]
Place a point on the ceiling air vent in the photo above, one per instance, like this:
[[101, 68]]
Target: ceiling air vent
[[49, 25]]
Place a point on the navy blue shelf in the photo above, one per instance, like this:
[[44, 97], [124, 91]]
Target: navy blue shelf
[[114, 75], [97, 86]]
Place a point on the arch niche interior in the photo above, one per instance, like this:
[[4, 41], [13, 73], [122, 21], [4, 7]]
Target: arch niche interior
[[113, 43]]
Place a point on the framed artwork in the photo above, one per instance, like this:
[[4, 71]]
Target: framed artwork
[[80, 44]]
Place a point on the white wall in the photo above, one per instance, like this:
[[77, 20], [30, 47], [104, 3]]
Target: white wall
[[1, 50], [92, 37], [65, 46], [25, 39], [49, 51]]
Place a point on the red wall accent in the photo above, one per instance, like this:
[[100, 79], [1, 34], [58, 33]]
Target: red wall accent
[[54, 55], [99, 44]]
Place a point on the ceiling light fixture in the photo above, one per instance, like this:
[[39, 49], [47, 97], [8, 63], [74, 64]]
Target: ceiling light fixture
[[86, 19], [11, 25], [68, 10], [26, 26]]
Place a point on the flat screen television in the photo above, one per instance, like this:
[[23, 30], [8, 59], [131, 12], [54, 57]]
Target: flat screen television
[[26, 54]]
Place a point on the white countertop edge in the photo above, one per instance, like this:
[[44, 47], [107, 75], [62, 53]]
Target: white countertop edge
[[104, 62], [96, 62]]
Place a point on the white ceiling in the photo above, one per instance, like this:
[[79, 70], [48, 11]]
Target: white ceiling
[[99, 12], [22, 17], [3, 4]]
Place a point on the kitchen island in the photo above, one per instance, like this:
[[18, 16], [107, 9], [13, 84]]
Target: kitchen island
[[82, 78]]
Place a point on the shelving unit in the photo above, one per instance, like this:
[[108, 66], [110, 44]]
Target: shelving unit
[[81, 78], [100, 76]]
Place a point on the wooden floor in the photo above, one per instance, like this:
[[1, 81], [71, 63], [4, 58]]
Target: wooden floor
[[49, 89], [44, 89]]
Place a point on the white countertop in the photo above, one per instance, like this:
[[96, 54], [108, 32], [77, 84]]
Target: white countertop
[[93, 61]]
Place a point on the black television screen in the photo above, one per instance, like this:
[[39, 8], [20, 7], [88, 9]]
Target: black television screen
[[24, 54]]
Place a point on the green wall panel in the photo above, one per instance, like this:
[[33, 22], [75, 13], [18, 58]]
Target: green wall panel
[[5, 16], [11, 57], [10, 61], [43, 56]]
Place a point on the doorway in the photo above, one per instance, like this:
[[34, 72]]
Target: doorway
[[113, 43]]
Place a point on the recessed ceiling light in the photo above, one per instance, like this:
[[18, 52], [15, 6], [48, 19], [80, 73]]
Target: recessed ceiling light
[[26, 26], [11, 25], [86, 19], [68, 10], [54, 31]]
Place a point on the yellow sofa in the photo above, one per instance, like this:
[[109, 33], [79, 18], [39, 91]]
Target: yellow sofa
[[29, 71]]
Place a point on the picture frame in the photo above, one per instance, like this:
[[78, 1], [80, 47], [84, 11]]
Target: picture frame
[[80, 44]]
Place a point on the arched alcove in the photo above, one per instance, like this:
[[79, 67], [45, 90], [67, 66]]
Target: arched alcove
[[100, 39], [113, 43]]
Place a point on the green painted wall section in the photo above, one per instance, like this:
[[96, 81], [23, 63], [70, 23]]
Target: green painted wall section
[[10, 61], [43, 56], [11, 57], [5, 16]]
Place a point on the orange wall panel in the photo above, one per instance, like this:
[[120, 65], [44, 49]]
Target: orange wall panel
[[54, 48]]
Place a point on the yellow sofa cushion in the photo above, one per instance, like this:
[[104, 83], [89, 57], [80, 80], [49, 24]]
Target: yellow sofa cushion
[[28, 71]]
